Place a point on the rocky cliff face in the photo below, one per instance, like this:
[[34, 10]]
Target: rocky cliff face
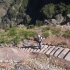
[[33, 9], [5, 2]]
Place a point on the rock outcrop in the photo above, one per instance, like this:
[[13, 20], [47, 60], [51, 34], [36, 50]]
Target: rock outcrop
[[68, 19], [59, 18]]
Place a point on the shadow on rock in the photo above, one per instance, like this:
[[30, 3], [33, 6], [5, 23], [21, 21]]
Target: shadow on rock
[[32, 47]]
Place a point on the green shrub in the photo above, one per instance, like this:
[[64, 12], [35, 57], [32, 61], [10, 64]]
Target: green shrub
[[16, 8], [60, 8], [3, 37], [62, 43], [3, 40], [47, 28], [68, 9], [49, 10], [13, 3], [46, 34], [67, 34], [15, 35], [16, 40], [30, 26], [56, 31], [21, 32], [26, 19], [24, 4], [39, 23], [20, 16], [25, 33], [12, 13], [7, 29], [29, 34], [12, 32], [18, 2]]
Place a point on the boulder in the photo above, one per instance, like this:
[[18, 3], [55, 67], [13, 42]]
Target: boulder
[[47, 21], [68, 15], [51, 21], [54, 21], [59, 18], [68, 19]]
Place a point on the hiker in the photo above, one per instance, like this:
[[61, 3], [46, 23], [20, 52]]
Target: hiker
[[40, 41]]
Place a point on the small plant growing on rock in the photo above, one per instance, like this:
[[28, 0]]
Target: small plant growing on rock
[[46, 34], [66, 34], [30, 26], [39, 23], [56, 31], [62, 43]]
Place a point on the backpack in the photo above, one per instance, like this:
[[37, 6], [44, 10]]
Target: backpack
[[40, 39]]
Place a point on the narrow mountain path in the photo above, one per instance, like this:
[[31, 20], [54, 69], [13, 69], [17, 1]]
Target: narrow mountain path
[[9, 54]]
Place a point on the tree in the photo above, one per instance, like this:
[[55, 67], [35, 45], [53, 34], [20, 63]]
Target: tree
[[49, 10], [5, 22], [60, 8], [18, 2], [12, 13], [27, 19], [24, 4], [68, 9], [21, 9]]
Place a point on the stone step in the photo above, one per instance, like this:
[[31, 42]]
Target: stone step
[[29, 49], [63, 53], [54, 50], [17, 54], [44, 47], [22, 49], [26, 49], [68, 56], [38, 50], [48, 52], [35, 50], [48, 48], [58, 52]]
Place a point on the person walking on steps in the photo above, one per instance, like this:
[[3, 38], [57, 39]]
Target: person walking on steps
[[40, 41]]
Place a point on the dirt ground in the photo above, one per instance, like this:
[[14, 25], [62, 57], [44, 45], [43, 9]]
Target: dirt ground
[[59, 63], [38, 61], [54, 40]]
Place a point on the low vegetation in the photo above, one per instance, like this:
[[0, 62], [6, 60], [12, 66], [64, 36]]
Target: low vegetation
[[46, 34], [15, 35], [51, 30], [67, 34], [62, 43], [30, 26], [56, 31]]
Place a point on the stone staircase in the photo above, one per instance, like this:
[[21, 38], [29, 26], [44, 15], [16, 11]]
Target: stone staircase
[[17, 54], [53, 50]]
